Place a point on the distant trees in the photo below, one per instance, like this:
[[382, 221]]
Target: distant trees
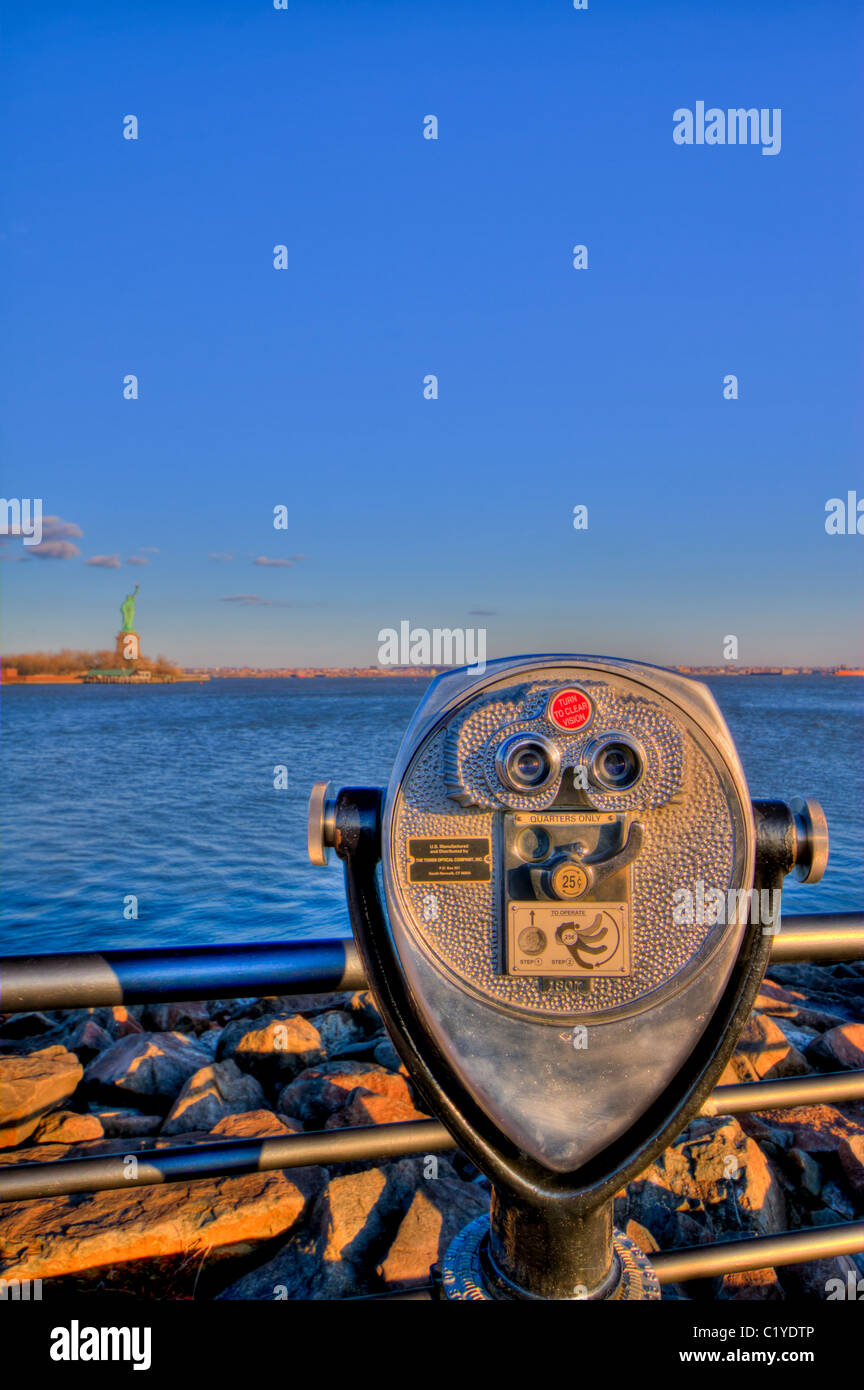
[[70, 662]]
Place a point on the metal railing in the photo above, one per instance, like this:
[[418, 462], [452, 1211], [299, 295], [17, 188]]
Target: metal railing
[[92, 979], [88, 979]]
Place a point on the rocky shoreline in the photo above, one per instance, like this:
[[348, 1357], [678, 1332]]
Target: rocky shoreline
[[129, 1080]]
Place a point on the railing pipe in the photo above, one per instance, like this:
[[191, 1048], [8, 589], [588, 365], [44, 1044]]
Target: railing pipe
[[21, 1181], [749, 1096], [89, 979], [758, 1252], [64, 1176], [823, 936]]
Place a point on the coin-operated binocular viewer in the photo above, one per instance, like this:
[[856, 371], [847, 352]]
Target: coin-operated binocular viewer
[[572, 870]]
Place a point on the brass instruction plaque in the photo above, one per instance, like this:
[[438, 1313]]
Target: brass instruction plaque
[[450, 860], [568, 939]]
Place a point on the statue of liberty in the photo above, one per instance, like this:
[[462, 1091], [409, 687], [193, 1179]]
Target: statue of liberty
[[127, 608]]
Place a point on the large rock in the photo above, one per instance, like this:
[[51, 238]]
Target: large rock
[[817, 1129], [273, 1048], [438, 1211], [805, 1171], [850, 1151], [87, 1039], [212, 1217], [774, 999], [369, 1231], [825, 990], [151, 1067], [839, 1047], [320, 1092], [174, 1017], [254, 1124], [339, 1032], [86, 1032], [124, 1122], [387, 1057], [305, 1003], [825, 1280], [363, 1007], [369, 1108], [67, 1127], [753, 1285], [123, 1022], [212, 1093], [33, 1024], [762, 1053], [31, 1086], [714, 1172]]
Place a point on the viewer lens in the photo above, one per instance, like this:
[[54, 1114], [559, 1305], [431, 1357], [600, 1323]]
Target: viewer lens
[[527, 763], [616, 765]]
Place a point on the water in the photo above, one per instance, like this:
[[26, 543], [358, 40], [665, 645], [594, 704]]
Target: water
[[167, 794]]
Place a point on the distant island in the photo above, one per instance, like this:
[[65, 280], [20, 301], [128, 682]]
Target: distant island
[[387, 672], [78, 667]]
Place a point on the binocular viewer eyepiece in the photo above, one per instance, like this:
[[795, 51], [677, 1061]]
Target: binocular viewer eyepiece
[[578, 903]]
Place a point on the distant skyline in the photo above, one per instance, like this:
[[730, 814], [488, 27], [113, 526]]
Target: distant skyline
[[407, 258]]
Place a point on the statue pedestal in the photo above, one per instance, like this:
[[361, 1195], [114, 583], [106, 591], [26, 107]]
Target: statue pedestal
[[128, 648]]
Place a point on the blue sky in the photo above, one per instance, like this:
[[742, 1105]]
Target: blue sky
[[407, 256]]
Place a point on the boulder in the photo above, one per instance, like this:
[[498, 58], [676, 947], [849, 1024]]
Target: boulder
[[319, 1092], [842, 1046], [338, 1032], [221, 1011], [821, 1279], [837, 1203], [438, 1211], [753, 1285], [386, 1056], [254, 1124], [123, 1122], [152, 1067], [368, 1108], [274, 1048], [31, 1086], [123, 1022], [762, 1053], [800, 1038], [48, 1238], [191, 1017], [209, 1041], [850, 1152], [363, 1007], [87, 1039], [305, 1003], [212, 1093], [716, 1172], [27, 1025], [805, 1171], [817, 1129], [67, 1127], [353, 1228], [824, 990], [774, 999]]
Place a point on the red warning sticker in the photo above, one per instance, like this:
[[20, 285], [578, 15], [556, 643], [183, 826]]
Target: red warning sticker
[[570, 709]]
